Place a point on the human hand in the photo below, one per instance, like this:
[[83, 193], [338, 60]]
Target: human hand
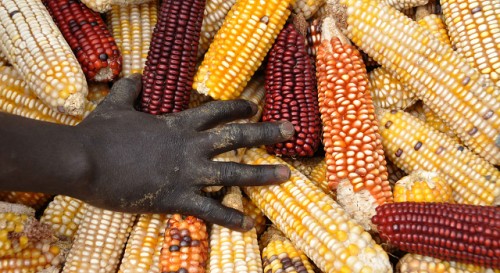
[[159, 164]]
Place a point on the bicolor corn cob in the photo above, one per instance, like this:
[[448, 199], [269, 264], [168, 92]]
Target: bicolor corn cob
[[474, 29], [412, 145], [315, 223], [88, 37], [387, 91], [464, 233], [414, 263], [280, 255], [34, 259], [106, 5], [170, 66], [291, 94], [31, 199], [99, 241], [34, 46], [239, 47], [307, 7], [16, 98], [215, 12], [142, 253], [233, 251], [250, 209], [465, 99], [64, 215], [132, 27], [97, 92], [185, 247], [423, 186]]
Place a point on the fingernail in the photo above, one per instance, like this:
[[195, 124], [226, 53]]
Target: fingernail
[[282, 172], [248, 223], [286, 129]]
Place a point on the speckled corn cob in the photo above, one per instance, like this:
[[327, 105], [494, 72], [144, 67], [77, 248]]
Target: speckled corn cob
[[31, 199], [105, 5], [291, 94], [388, 92], [97, 92], [64, 215], [240, 46], [307, 7], [315, 223], [466, 100], [414, 263], [99, 241], [412, 145], [464, 233], [185, 247], [250, 209], [142, 253], [170, 66], [280, 255], [423, 186], [215, 12], [232, 251], [474, 29], [132, 27], [33, 259], [36, 48]]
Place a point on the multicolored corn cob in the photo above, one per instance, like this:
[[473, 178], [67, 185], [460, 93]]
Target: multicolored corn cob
[[87, 35], [280, 255], [291, 94], [64, 215], [388, 92], [307, 7], [413, 145], [132, 27], [233, 251], [97, 92], [35, 259], [414, 263], [185, 247], [106, 5], [250, 209], [315, 223], [239, 47], [215, 12], [423, 186], [36, 48], [170, 66], [142, 253], [464, 233], [34, 200], [474, 29], [465, 99]]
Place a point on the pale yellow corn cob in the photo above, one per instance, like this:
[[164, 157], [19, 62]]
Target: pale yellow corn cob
[[388, 92], [31, 199], [64, 214], [16, 98], [36, 48], [99, 241], [97, 92], [33, 259], [406, 4], [233, 251], [250, 209], [142, 253], [423, 186], [474, 29], [132, 27], [213, 17], [412, 145], [433, 22], [318, 176], [463, 97], [414, 263], [106, 5], [307, 7], [315, 223]]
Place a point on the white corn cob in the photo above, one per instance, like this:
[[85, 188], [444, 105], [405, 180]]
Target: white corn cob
[[64, 214]]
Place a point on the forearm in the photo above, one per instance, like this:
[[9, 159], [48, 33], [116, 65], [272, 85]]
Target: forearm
[[38, 156]]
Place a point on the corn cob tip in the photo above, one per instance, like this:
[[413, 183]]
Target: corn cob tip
[[233, 198], [6, 207], [331, 28], [360, 205], [74, 105]]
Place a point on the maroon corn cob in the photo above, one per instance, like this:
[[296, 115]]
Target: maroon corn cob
[[170, 66], [87, 34], [291, 94], [464, 233]]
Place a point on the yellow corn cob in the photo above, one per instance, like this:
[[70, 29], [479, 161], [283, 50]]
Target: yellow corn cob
[[233, 251], [142, 253], [307, 7], [423, 186], [99, 241], [97, 92], [388, 92], [31, 199], [132, 27], [474, 29], [412, 145], [315, 223], [280, 255], [33, 259], [36, 48], [250, 209], [414, 263], [240, 46], [465, 99], [64, 214], [16, 98], [106, 5], [215, 12]]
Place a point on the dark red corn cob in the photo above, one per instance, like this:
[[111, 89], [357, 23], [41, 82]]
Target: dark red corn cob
[[464, 233], [87, 34], [291, 94], [170, 66]]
